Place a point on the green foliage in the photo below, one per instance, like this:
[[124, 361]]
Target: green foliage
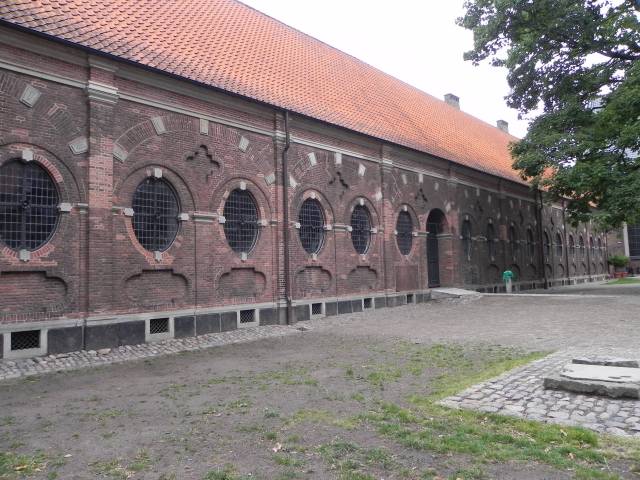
[[577, 63], [618, 260]]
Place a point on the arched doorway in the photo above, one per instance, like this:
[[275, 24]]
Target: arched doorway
[[435, 227]]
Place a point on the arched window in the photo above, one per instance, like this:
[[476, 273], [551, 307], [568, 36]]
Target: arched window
[[311, 219], [600, 247], [530, 243], [360, 229], [547, 244], [491, 240], [592, 246], [241, 221], [404, 237], [581, 244], [513, 240], [155, 214], [559, 245], [572, 246], [466, 238], [28, 205]]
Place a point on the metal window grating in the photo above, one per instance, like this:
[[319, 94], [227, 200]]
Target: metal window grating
[[361, 229], [28, 205], [633, 233], [404, 227], [25, 340], [410, 297], [530, 243], [466, 238], [581, 244], [158, 325], [311, 221], [316, 309], [247, 316], [241, 221], [513, 240], [491, 244], [572, 245], [547, 244], [155, 214], [368, 303], [558, 245]]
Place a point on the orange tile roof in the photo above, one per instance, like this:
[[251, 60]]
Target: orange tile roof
[[228, 45]]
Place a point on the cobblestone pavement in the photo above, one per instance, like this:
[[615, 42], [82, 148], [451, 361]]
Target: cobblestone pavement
[[520, 393], [91, 358]]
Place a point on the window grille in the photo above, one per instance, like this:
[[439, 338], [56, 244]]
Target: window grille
[[491, 244], [241, 221], [316, 309], [361, 229], [547, 244], [158, 325], [592, 246], [311, 219], [600, 246], [572, 245], [513, 240], [558, 245], [247, 316], [410, 298], [25, 340], [466, 238], [530, 242], [581, 244], [368, 303], [155, 214], [28, 205], [404, 227]]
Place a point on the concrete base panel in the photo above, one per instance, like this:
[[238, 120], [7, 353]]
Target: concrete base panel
[[64, 340], [184, 326], [607, 361], [114, 335]]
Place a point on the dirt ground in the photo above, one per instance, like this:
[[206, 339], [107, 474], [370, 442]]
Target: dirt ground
[[304, 406]]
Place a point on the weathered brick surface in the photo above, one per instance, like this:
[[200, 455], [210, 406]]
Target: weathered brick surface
[[94, 266]]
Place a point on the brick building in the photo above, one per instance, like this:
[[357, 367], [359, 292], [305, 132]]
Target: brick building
[[143, 152]]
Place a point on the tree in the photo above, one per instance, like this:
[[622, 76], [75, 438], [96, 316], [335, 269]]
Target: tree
[[576, 63]]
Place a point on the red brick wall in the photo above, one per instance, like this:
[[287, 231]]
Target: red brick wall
[[94, 265]]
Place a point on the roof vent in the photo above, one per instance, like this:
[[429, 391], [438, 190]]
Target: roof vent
[[503, 125], [452, 100]]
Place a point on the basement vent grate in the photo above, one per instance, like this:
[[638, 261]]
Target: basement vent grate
[[247, 316], [25, 340], [368, 303], [158, 325], [410, 298], [316, 309]]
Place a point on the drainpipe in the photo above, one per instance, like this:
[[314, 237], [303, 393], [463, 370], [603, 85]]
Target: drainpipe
[[285, 206], [541, 240]]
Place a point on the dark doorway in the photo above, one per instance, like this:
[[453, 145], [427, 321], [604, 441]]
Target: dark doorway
[[435, 227]]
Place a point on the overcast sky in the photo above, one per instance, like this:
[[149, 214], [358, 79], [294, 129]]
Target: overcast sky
[[416, 41]]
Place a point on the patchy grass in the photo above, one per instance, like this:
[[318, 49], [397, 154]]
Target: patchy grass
[[352, 462], [624, 281], [13, 465], [227, 473], [425, 425]]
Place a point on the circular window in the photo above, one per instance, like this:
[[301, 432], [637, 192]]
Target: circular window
[[241, 221], [28, 205], [404, 237], [155, 214], [311, 221], [361, 229]]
